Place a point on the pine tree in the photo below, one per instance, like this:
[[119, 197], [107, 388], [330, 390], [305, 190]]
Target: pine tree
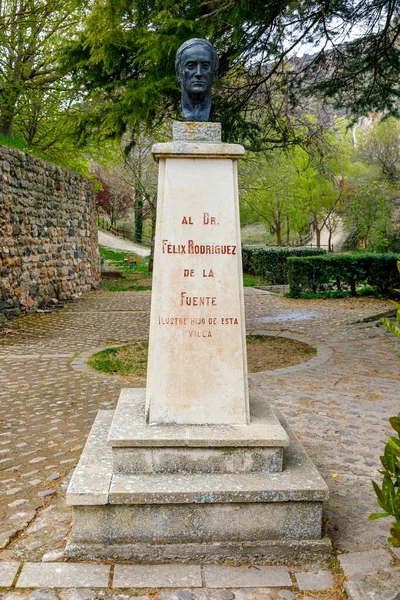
[[124, 59]]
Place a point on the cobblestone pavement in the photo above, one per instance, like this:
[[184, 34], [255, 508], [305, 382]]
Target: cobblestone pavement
[[46, 407], [339, 409]]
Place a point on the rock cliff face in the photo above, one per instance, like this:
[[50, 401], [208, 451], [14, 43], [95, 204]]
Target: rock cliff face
[[48, 233]]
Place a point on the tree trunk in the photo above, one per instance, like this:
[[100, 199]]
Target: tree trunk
[[113, 216], [8, 102], [6, 125], [153, 236], [287, 231], [153, 216], [330, 241], [318, 236], [278, 233], [138, 209]]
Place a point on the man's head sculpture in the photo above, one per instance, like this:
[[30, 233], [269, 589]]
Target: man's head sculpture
[[196, 67]]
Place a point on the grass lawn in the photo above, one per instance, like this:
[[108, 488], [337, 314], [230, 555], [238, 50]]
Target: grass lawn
[[137, 279], [264, 353]]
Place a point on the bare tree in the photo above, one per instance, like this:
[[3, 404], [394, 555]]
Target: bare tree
[[140, 171], [115, 196]]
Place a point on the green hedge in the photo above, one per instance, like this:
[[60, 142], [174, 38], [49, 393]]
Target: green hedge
[[318, 273], [270, 263]]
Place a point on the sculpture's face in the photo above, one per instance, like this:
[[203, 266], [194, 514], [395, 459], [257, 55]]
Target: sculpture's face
[[196, 72]]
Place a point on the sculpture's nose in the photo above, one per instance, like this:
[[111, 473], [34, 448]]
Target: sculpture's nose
[[198, 70]]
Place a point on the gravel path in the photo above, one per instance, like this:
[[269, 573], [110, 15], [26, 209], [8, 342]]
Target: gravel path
[[116, 243]]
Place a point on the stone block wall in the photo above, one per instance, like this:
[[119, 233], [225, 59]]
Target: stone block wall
[[48, 233]]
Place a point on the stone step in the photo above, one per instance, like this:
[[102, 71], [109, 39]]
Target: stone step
[[162, 461], [139, 448], [298, 482], [130, 430], [291, 485], [95, 483], [199, 516]]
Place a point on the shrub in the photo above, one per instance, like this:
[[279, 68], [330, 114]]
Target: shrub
[[271, 264], [317, 273], [389, 494], [393, 238]]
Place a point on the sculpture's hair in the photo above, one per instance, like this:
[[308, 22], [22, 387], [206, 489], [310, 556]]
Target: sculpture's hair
[[195, 42]]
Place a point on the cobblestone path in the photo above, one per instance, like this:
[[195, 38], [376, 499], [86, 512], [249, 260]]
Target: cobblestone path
[[339, 408], [46, 407]]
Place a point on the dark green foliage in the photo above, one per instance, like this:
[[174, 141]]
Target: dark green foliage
[[124, 54], [389, 494], [271, 264], [364, 72], [389, 243], [315, 274], [351, 242], [393, 240]]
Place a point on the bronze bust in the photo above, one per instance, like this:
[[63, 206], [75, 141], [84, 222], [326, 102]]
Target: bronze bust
[[196, 67]]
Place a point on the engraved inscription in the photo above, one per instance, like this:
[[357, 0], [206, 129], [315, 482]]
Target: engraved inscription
[[168, 248], [193, 321], [200, 334], [210, 248], [191, 273], [207, 220], [191, 248], [197, 300], [208, 273], [172, 320]]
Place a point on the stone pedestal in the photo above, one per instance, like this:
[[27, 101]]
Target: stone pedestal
[[195, 493], [197, 372], [192, 469]]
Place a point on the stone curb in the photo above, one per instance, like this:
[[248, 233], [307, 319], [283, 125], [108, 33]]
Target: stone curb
[[68, 575], [64, 575]]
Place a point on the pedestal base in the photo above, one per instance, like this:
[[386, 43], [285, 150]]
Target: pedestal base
[[274, 552], [204, 516]]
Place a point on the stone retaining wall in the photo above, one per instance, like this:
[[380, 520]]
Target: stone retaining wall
[[48, 233]]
